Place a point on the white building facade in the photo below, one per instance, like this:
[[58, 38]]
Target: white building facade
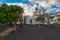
[[31, 20]]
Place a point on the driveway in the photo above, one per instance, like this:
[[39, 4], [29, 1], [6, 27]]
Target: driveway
[[29, 32]]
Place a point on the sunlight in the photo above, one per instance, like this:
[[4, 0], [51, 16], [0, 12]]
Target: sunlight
[[44, 3], [28, 14], [52, 1]]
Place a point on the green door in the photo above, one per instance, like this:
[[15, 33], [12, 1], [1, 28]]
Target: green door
[[31, 21]]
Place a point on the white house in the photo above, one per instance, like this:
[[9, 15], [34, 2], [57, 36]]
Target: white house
[[31, 20]]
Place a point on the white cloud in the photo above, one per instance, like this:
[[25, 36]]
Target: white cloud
[[44, 3], [47, 2], [57, 2], [29, 9], [52, 11], [19, 4]]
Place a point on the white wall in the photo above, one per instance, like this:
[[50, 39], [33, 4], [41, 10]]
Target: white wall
[[33, 20]]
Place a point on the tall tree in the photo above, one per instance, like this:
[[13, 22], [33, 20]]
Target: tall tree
[[10, 14], [44, 18]]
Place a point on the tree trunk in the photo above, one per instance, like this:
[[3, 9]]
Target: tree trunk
[[21, 25], [14, 26], [21, 22], [48, 23]]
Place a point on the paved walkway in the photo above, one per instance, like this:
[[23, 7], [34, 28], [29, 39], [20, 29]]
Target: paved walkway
[[35, 33]]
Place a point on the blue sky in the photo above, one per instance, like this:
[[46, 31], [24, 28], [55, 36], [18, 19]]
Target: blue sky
[[28, 2], [13, 1]]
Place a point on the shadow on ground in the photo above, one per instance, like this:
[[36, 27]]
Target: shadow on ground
[[35, 32]]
